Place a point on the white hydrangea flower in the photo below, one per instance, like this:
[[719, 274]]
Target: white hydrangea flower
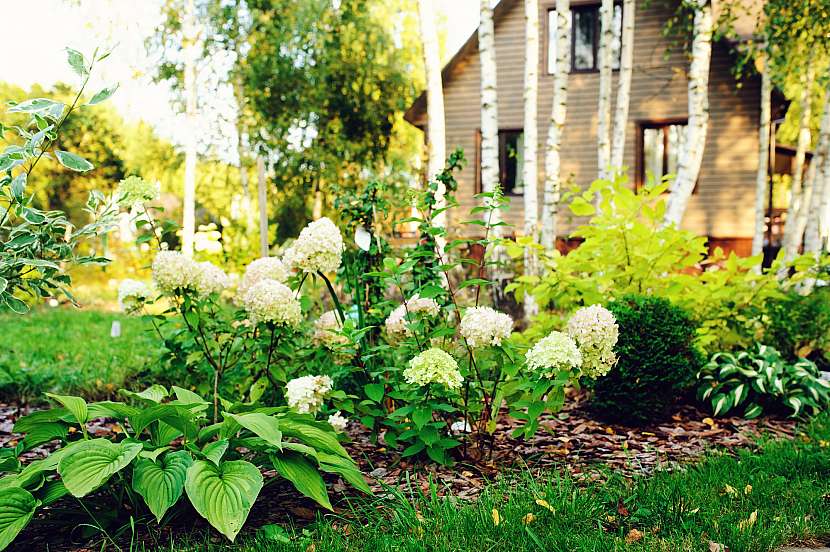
[[318, 248], [396, 322], [271, 301], [595, 331], [483, 326], [327, 331], [306, 394], [135, 189], [338, 422], [434, 366], [210, 279], [132, 294], [552, 354], [270, 268], [172, 270]]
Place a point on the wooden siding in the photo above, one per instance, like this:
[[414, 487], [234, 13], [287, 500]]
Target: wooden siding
[[722, 205]]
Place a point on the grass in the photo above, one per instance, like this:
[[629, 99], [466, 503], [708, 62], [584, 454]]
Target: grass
[[66, 350], [753, 501]]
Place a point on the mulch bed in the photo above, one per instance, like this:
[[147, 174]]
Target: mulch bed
[[572, 441]]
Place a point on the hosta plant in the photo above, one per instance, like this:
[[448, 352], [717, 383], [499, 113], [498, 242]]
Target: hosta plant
[[761, 379], [166, 446]]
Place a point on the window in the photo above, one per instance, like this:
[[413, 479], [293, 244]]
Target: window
[[585, 33], [660, 146], [511, 152]]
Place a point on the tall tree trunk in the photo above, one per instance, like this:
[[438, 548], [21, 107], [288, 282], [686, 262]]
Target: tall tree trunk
[[436, 134], [606, 37], [530, 176], [792, 236], [623, 84], [190, 55], [812, 210], [688, 165], [262, 200], [553, 179], [762, 176], [489, 105]]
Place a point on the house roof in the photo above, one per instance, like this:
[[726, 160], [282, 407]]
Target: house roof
[[744, 25]]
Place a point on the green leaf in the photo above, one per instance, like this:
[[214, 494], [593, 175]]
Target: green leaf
[[161, 483], [345, 468], [223, 494], [17, 506], [75, 405], [273, 532], [73, 162], [421, 416], [77, 62], [303, 475], [103, 95], [215, 450], [374, 391], [155, 393], [51, 492], [86, 465], [44, 433], [262, 425], [312, 435], [582, 208]]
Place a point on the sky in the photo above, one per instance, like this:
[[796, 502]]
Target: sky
[[87, 24]]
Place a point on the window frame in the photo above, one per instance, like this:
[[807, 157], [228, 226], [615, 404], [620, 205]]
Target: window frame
[[642, 126], [579, 6], [477, 189]]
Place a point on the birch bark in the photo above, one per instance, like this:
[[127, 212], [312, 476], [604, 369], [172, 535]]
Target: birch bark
[[762, 176], [489, 106], [691, 156], [191, 47], [606, 15], [553, 180], [531, 142], [812, 210], [262, 200], [623, 84]]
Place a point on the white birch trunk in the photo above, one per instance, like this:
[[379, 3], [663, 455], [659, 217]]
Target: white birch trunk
[[530, 175], [489, 104], [812, 210], [691, 157], [606, 15], [792, 236], [190, 54], [262, 200], [436, 134], [553, 180], [824, 208], [623, 84], [762, 176]]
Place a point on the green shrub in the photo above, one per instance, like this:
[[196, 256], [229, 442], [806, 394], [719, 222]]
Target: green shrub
[[799, 326], [657, 360], [762, 379]]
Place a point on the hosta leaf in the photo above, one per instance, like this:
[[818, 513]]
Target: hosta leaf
[[262, 425], [214, 451], [17, 506], [44, 433], [155, 393], [161, 482], [311, 435], [76, 405], [86, 465], [346, 468], [303, 475], [223, 494], [753, 411], [73, 162]]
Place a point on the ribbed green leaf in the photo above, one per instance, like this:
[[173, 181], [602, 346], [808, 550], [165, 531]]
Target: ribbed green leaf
[[17, 506], [86, 465], [161, 483], [303, 475]]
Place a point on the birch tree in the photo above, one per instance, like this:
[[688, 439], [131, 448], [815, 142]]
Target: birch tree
[[762, 175], [191, 53], [605, 55], [530, 175], [691, 156], [792, 236], [489, 105], [810, 213], [553, 179], [436, 134], [262, 201], [623, 84]]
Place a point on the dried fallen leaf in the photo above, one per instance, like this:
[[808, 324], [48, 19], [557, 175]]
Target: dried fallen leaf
[[747, 489], [730, 490], [528, 518], [709, 421], [496, 517], [717, 547], [749, 522], [633, 536], [544, 504], [621, 509]]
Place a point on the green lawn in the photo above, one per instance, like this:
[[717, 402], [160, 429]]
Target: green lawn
[[751, 502], [68, 350]]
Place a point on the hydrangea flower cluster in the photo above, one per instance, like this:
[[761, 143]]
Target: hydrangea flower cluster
[[483, 326], [270, 268], [306, 394], [172, 271], [338, 422], [135, 189], [396, 323], [327, 331], [318, 248], [210, 279], [554, 353], [132, 294], [595, 331], [271, 301], [434, 366]]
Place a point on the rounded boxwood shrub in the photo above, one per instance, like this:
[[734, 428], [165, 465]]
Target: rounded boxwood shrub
[[657, 361]]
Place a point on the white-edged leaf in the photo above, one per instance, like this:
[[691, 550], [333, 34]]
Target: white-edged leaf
[[73, 162], [103, 95]]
